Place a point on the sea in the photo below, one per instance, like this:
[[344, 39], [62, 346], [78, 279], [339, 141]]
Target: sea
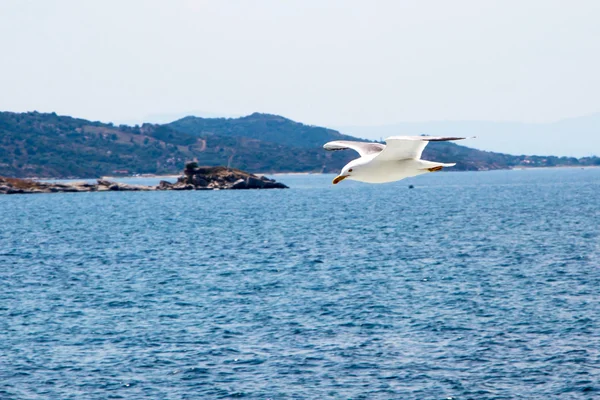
[[470, 285]]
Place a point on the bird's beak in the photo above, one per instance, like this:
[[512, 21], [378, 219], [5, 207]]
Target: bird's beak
[[339, 178]]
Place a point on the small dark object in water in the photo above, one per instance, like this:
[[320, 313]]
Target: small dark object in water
[[411, 186]]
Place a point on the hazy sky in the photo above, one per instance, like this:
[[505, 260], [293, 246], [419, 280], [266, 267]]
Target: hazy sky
[[320, 62]]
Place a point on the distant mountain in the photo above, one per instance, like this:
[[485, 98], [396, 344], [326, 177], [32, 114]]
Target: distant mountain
[[573, 137], [263, 127], [47, 145], [165, 118]]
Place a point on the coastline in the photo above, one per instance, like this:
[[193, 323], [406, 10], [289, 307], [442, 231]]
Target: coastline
[[559, 167], [175, 176]]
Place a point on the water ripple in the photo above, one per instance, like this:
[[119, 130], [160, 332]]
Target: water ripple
[[470, 286]]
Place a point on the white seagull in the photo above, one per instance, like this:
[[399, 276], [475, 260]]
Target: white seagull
[[399, 158]]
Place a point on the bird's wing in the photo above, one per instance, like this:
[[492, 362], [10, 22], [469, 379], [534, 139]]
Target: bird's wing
[[363, 148], [406, 147]]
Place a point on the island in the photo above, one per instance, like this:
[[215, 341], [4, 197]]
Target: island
[[194, 178]]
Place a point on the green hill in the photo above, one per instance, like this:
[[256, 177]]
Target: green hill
[[263, 127], [47, 145], [280, 130]]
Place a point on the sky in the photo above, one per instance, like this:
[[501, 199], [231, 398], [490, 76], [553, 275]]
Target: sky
[[328, 63]]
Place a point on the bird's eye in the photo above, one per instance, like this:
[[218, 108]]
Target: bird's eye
[[350, 170]]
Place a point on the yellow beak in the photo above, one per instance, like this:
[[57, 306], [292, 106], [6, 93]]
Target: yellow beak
[[339, 178]]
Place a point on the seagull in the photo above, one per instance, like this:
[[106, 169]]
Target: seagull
[[399, 158]]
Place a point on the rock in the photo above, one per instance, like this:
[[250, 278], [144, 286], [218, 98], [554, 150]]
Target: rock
[[123, 187], [255, 182], [225, 178], [164, 185], [275, 185], [198, 180], [183, 186], [102, 182], [84, 186], [239, 184], [70, 189]]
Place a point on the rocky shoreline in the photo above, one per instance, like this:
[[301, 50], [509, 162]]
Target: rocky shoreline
[[194, 178]]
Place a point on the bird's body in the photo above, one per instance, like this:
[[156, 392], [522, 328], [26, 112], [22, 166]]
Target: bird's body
[[393, 170], [400, 158]]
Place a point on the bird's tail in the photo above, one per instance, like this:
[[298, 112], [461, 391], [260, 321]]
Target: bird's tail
[[434, 166]]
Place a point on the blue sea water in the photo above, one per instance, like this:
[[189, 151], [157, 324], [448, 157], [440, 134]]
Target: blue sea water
[[470, 286]]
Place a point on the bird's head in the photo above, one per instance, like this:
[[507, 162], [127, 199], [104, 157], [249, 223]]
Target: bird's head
[[348, 171]]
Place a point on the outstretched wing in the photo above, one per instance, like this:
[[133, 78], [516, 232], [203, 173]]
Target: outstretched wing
[[363, 148], [406, 147]]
